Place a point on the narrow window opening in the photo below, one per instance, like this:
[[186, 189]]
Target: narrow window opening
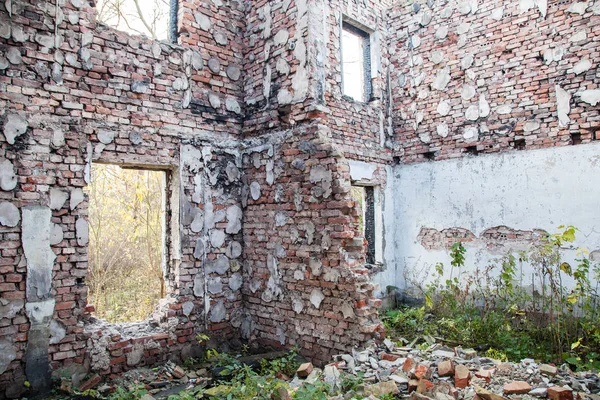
[[430, 155], [365, 197], [356, 63], [519, 144], [575, 138], [152, 18], [127, 252]]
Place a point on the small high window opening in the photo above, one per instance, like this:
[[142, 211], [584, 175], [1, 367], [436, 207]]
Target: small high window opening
[[126, 252], [152, 18], [365, 197], [356, 63]]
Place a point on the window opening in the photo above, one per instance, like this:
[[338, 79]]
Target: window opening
[[365, 197], [151, 18], [356, 63], [126, 253]]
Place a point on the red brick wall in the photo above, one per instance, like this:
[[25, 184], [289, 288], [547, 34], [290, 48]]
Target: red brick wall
[[508, 69]]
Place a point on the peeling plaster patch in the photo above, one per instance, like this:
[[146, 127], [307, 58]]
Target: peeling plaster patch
[[297, 304], [234, 219], [316, 297], [199, 285], [8, 353], [531, 126], [472, 113], [8, 179], [484, 107], [214, 285], [82, 229], [58, 331], [217, 238], [504, 109], [57, 198], [467, 61], [77, 197], [463, 28], [36, 228], [360, 170], [255, 190], [471, 134], [187, 308], [563, 106], [56, 234], [443, 108], [441, 33], [280, 219], [217, 312], [578, 7], [10, 308], [442, 130], [591, 96], [582, 66], [497, 13], [437, 57], [203, 21], [442, 79], [234, 250], [281, 37], [467, 92], [425, 137], [219, 266], [282, 66], [9, 214], [235, 282], [14, 125], [231, 104], [198, 222], [199, 249], [578, 37], [348, 311]]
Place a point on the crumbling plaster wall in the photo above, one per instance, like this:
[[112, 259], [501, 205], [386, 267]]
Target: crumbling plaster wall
[[74, 92], [494, 204], [487, 76], [305, 282]]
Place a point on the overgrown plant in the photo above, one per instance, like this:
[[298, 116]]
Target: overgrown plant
[[492, 306]]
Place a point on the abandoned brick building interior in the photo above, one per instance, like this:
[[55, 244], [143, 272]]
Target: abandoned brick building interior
[[451, 119]]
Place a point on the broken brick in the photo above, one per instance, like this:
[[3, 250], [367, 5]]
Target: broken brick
[[462, 376], [304, 370], [560, 393], [445, 368], [517, 387]]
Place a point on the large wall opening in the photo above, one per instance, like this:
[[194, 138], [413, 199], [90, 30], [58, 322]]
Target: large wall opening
[[127, 252]]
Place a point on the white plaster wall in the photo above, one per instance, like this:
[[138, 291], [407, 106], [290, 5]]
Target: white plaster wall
[[522, 189]]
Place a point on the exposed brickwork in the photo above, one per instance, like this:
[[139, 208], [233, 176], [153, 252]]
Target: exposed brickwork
[[512, 66]]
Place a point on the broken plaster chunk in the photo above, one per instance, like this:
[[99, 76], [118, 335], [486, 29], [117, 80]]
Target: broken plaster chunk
[[8, 179], [442, 79], [414, 42], [582, 66], [9, 214], [187, 308], [447, 12], [14, 125], [214, 65], [220, 38], [214, 100], [425, 137], [563, 106], [282, 66], [348, 311], [82, 231], [297, 305], [464, 8], [233, 72], [463, 28], [234, 250], [77, 197], [8, 353], [591, 96], [316, 297]]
